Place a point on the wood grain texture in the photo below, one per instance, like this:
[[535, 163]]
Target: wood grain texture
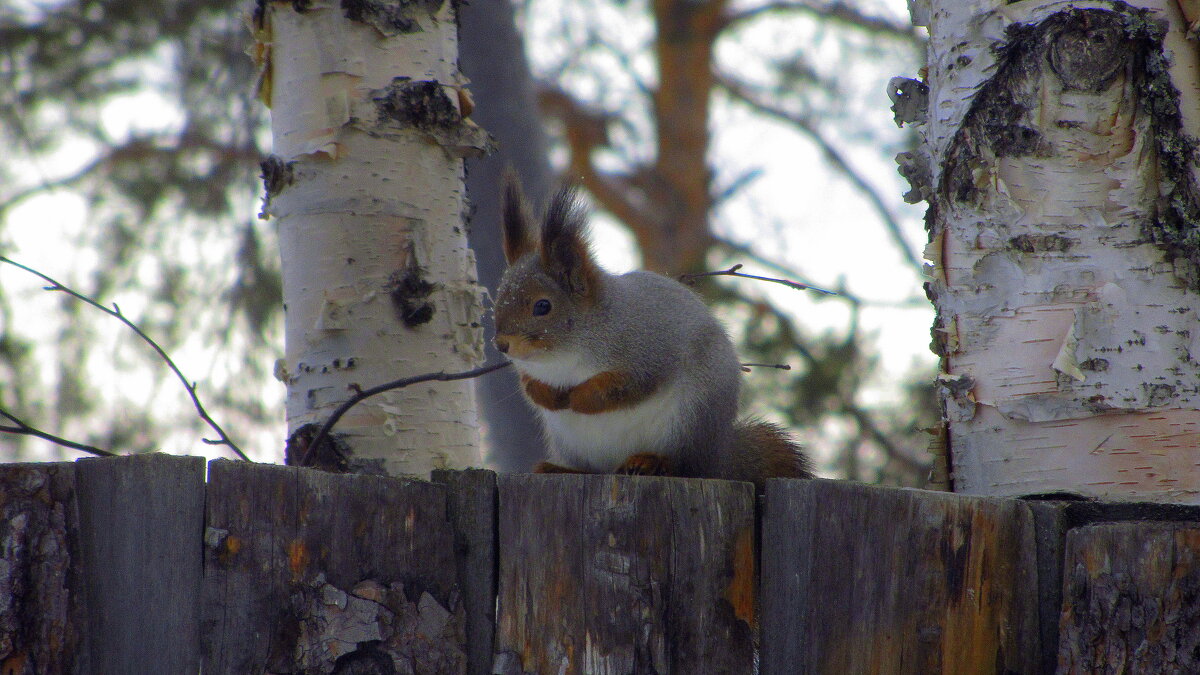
[[861, 579], [141, 522], [617, 574], [471, 504], [42, 605], [311, 572], [1131, 599]]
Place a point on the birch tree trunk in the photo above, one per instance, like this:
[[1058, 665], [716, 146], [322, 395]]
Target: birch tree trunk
[[1059, 162], [369, 131]]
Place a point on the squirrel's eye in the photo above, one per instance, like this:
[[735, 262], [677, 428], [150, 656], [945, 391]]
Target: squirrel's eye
[[541, 307]]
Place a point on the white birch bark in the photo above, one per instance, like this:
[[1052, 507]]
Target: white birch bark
[[1064, 244], [366, 187]]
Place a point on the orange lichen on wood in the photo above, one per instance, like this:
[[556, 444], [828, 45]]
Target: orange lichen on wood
[[740, 592], [298, 557], [229, 549], [14, 664], [974, 610]]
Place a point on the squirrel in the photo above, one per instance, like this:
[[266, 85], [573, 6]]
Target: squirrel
[[629, 373]]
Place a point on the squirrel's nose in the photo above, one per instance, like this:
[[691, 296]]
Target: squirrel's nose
[[501, 344]]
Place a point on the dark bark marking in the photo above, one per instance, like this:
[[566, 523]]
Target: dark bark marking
[[390, 18], [276, 175]]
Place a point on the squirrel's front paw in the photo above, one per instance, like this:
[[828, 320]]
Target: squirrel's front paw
[[645, 464], [547, 467]]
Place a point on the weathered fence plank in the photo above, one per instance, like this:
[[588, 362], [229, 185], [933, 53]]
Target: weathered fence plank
[[471, 500], [616, 574], [861, 579], [1131, 599], [43, 613], [298, 571], [141, 518], [310, 572]]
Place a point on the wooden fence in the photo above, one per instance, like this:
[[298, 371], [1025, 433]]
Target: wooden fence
[[145, 565]]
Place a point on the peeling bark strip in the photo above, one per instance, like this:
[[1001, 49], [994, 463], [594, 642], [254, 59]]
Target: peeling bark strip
[[862, 579], [308, 572], [1131, 599], [607, 575], [1061, 167], [370, 125]]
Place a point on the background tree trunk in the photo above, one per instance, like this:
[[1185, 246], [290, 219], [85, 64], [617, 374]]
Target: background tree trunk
[[369, 135], [493, 57], [1060, 169]]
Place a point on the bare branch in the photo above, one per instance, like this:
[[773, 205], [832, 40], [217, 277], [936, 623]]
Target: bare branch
[[137, 150], [116, 313], [740, 93], [846, 405], [868, 426], [745, 251], [778, 366], [733, 272], [585, 131], [839, 12], [26, 430], [738, 184], [363, 394]]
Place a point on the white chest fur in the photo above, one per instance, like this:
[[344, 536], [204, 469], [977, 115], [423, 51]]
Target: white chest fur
[[601, 442], [557, 370]]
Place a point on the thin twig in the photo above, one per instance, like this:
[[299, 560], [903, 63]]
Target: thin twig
[[116, 312], [893, 451], [733, 272], [24, 429], [779, 366], [741, 250], [839, 162], [835, 11], [388, 386]]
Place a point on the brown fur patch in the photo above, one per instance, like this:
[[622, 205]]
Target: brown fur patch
[[770, 451], [607, 391], [518, 346], [544, 395]]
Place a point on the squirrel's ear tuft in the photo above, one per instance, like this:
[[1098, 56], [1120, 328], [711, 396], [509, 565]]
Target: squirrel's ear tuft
[[517, 223], [565, 252]]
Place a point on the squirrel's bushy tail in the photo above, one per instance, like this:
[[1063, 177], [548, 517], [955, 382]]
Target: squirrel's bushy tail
[[765, 450]]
